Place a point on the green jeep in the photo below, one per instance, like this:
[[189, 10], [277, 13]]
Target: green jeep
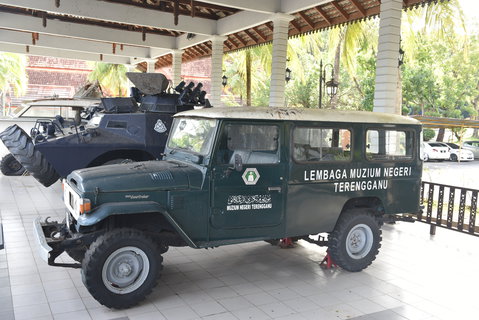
[[234, 175]]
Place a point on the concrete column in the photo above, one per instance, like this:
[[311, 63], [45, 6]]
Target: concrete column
[[150, 65], [176, 67], [386, 97], [278, 64], [216, 70], [131, 67]]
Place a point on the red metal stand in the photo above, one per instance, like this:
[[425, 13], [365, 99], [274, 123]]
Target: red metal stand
[[286, 243], [328, 262]]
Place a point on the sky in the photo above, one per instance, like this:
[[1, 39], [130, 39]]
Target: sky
[[470, 8]]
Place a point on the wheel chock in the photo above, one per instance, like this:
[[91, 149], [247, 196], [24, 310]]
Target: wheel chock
[[328, 262], [286, 243]]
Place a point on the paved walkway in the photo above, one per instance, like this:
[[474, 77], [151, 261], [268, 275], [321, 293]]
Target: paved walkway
[[414, 277]]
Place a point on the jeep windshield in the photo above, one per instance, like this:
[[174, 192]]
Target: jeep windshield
[[192, 135]]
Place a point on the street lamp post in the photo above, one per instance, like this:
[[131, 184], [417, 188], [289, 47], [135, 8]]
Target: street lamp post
[[331, 86]]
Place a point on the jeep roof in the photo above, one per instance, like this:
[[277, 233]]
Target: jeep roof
[[297, 114]]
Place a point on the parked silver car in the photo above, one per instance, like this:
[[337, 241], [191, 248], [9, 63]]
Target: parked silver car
[[473, 146]]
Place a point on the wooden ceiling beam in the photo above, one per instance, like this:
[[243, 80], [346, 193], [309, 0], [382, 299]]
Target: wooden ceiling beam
[[169, 8], [323, 14], [252, 37], [232, 42], [240, 39], [228, 45], [340, 10], [359, 7], [306, 19], [260, 34], [295, 25], [269, 25]]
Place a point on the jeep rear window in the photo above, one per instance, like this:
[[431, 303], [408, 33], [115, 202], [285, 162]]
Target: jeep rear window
[[389, 145], [313, 144]]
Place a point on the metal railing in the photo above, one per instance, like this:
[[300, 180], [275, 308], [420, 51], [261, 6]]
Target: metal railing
[[450, 207]]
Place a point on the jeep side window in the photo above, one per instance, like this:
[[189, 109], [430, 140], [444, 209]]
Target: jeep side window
[[312, 144], [389, 145], [256, 144]]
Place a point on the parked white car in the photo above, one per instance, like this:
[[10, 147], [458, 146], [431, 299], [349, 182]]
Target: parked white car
[[458, 153], [435, 151]]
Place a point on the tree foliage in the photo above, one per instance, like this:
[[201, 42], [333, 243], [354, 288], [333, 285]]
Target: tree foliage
[[112, 78], [440, 75], [13, 77]]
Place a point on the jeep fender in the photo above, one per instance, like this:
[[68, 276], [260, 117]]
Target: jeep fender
[[139, 207]]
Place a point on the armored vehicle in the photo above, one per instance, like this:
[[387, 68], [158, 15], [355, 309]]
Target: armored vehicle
[[234, 175], [122, 131]]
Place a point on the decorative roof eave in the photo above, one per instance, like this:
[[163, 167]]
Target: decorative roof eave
[[328, 15]]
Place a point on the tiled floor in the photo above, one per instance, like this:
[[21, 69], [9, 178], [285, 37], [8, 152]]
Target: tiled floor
[[414, 277]]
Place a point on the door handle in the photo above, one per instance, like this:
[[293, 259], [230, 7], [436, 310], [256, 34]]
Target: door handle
[[274, 189]]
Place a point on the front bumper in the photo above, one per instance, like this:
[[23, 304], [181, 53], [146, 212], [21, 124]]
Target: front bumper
[[43, 248], [53, 239]]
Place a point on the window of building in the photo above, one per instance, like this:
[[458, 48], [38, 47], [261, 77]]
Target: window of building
[[312, 144]]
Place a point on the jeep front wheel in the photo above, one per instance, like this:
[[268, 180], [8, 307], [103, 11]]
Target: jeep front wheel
[[121, 268], [355, 241]]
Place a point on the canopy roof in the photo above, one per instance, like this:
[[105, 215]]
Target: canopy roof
[[436, 122], [132, 31]]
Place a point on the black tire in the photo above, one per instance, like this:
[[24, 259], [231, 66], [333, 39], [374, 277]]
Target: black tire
[[10, 166], [273, 242], [127, 251], [76, 254], [22, 148], [355, 241], [454, 157], [426, 157]]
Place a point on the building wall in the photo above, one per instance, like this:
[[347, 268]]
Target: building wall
[[48, 77], [197, 71]]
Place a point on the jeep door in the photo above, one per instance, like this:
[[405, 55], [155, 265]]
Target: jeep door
[[248, 202]]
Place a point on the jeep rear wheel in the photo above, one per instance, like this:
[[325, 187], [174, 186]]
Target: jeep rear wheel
[[10, 166], [121, 268], [355, 241]]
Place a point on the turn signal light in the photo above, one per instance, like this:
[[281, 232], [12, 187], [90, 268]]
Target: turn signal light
[[84, 206]]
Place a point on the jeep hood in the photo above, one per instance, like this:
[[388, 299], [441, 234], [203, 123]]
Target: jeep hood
[[137, 176]]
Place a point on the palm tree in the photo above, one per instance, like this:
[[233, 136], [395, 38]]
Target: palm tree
[[443, 20], [112, 78], [12, 76], [241, 65]]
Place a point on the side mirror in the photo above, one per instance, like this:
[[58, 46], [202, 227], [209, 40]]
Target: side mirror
[[238, 163]]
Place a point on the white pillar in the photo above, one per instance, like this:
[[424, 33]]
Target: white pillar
[[278, 63], [176, 67], [216, 70], [131, 67], [150, 65], [386, 97]]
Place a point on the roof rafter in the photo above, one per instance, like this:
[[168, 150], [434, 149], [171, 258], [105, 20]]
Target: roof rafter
[[323, 14], [359, 7]]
